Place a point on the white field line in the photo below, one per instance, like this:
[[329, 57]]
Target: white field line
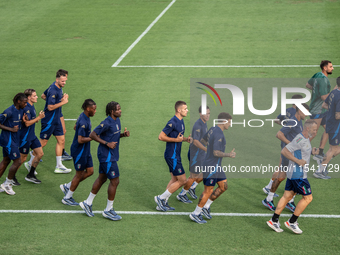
[[226, 66], [70, 119], [174, 213], [141, 36]]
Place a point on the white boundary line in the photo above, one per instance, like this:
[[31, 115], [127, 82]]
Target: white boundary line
[[174, 213], [225, 66], [70, 119], [141, 36]]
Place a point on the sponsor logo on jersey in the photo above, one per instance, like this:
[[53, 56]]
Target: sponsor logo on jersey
[[28, 111], [102, 125], [83, 126], [220, 140], [5, 115], [198, 130], [170, 125], [53, 96]]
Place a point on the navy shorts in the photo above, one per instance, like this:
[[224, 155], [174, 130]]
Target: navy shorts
[[175, 166], [26, 145], [82, 163], [334, 138], [11, 152], [110, 169], [212, 181], [320, 116], [47, 130], [299, 186]]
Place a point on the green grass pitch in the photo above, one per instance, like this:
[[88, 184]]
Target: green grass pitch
[[86, 37]]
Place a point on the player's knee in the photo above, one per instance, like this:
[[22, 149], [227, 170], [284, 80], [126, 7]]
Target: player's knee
[[89, 171], [40, 154], [280, 179], [308, 198]]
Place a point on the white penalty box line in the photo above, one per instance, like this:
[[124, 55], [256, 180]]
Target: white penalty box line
[[222, 66], [329, 216]]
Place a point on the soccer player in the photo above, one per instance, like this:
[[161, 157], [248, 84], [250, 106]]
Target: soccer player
[[51, 124], [10, 122], [81, 152], [196, 155], [289, 113], [212, 171], [332, 103], [286, 135], [27, 136], [298, 152], [320, 86], [108, 135], [172, 134]]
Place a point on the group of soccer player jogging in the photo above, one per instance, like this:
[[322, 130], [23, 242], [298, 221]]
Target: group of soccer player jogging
[[207, 149]]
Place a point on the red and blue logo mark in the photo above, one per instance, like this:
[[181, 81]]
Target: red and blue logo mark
[[209, 93]]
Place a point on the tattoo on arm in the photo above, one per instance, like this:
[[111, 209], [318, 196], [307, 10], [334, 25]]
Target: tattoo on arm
[[220, 154], [337, 115]]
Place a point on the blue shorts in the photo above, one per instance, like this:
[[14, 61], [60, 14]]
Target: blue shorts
[[11, 152], [212, 181], [320, 116], [299, 186], [83, 163], [175, 166], [26, 145], [110, 169], [48, 130], [334, 138]]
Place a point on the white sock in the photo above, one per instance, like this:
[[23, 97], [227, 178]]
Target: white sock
[[292, 200], [270, 196], [321, 168], [59, 164], [31, 159], [194, 185], [69, 194], [269, 186], [197, 211], [183, 192], [109, 205], [165, 195], [68, 185], [208, 203], [8, 181], [89, 200]]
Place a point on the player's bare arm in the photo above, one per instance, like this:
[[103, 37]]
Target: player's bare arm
[[82, 139], [199, 145], [308, 86], [221, 154], [187, 139], [163, 137], [126, 133], [31, 122], [204, 142], [337, 115], [64, 101], [282, 137], [13, 129], [96, 138], [285, 152], [324, 105], [43, 96]]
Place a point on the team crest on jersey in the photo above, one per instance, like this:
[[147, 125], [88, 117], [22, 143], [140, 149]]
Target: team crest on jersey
[[79, 165], [170, 125], [182, 127], [19, 116], [117, 127]]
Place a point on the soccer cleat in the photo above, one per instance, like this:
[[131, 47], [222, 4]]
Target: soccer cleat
[[266, 191], [206, 213], [87, 208], [28, 167], [184, 199], [293, 227], [69, 201], [15, 182], [192, 193], [65, 156], [7, 188], [167, 206], [62, 170], [291, 206], [197, 218], [275, 226], [112, 215], [320, 175], [161, 203], [32, 179], [269, 204], [64, 188], [318, 157]]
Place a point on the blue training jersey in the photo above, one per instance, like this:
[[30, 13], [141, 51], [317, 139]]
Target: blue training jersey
[[53, 96], [216, 141], [27, 133], [109, 130], [333, 101], [290, 112], [83, 128], [198, 131], [289, 131], [172, 129], [11, 117]]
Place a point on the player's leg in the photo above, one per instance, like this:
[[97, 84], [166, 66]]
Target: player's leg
[[15, 157], [65, 156], [196, 215], [113, 175], [191, 184], [4, 164], [268, 201], [60, 168], [275, 175]]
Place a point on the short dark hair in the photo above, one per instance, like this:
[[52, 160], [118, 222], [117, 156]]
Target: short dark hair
[[324, 63], [61, 72], [309, 123], [179, 104], [224, 116], [338, 81], [200, 109], [87, 103], [112, 106], [19, 97], [304, 105], [297, 96], [28, 92]]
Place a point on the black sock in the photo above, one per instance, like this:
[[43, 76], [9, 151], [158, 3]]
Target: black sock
[[275, 217], [31, 173], [63, 151], [293, 219], [320, 151]]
